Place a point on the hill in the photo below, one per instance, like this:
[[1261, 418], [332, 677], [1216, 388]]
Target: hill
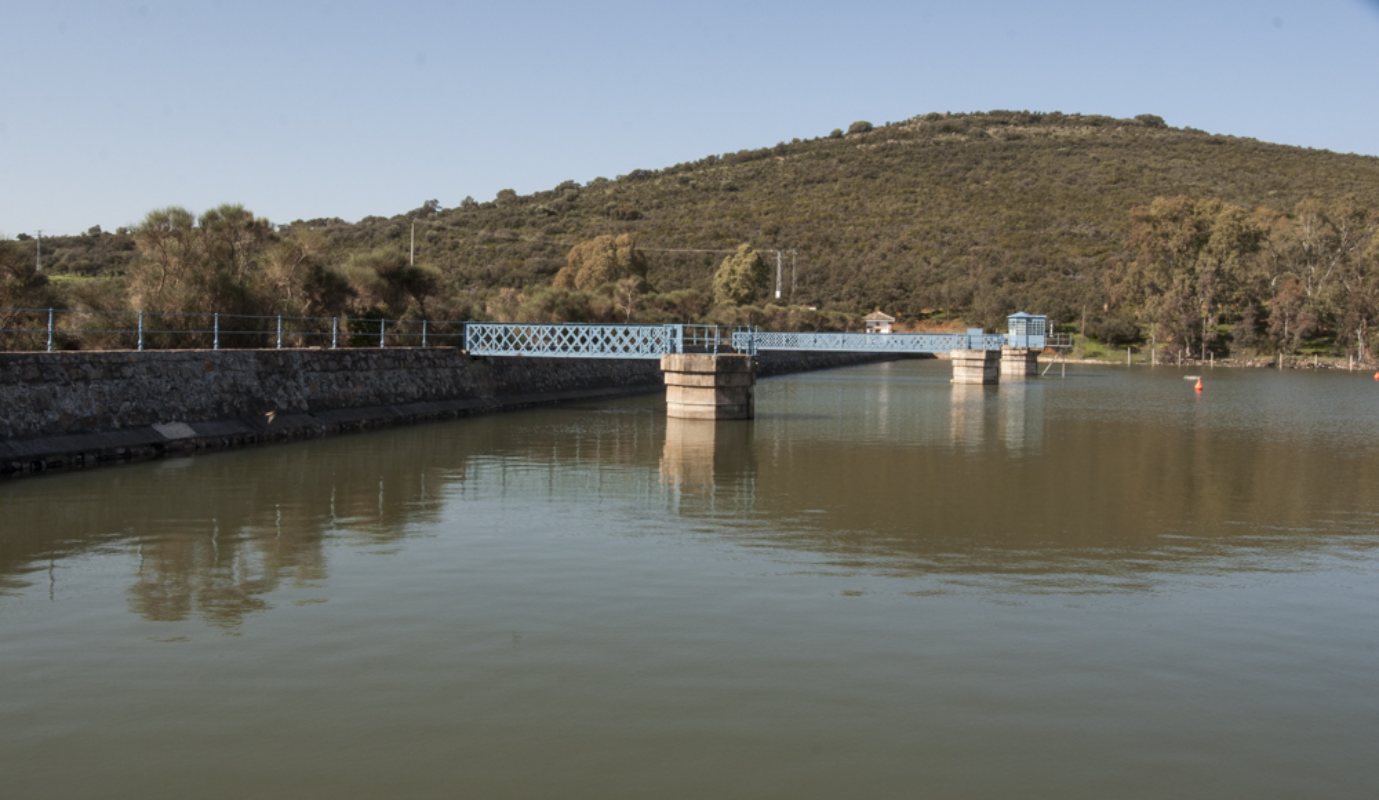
[[970, 215], [973, 212]]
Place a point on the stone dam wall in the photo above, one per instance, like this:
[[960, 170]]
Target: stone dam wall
[[76, 410]]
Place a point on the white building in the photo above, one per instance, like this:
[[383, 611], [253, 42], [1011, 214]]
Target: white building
[[878, 322]]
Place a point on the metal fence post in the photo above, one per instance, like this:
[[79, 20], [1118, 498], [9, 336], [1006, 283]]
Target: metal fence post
[[280, 331], [423, 333], [215, 343], [141, 331], [334, 332], [50, 330], [382, 330]]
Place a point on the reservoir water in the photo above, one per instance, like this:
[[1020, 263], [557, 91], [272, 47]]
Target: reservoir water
[[884, 586]]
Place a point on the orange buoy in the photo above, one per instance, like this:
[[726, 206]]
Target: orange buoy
[[1198, 387], [1376, 376]]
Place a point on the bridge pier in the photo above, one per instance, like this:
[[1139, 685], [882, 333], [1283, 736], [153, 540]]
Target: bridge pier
[[1019, 362], [976, 366], [704, 386]]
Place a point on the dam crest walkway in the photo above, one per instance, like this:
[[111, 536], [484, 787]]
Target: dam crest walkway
[[566, 340]]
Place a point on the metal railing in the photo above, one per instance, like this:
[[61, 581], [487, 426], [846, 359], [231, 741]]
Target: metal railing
[[716, 339], [564, 340], [1059, 341], [877, 342], [65, 329], [50, 329]]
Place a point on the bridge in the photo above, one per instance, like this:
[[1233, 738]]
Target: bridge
[[709, 370], [566, 340]]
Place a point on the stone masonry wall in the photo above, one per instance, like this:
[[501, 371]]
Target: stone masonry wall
[[60, 393], [63, 410]]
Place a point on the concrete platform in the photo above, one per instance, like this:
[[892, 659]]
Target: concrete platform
[[704, 386]]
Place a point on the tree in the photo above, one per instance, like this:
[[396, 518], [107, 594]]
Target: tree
[[22, 286], [1222, 267], [602, 260], [741, 277], [626, 293], [1363, 295], [213, 263], [1360, 299], [234, 243], [1318, 265], [383, 278], [1191, 259], [165, 273], [299, 277]]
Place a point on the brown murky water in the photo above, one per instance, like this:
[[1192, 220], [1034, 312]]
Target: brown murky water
[[885, 586]]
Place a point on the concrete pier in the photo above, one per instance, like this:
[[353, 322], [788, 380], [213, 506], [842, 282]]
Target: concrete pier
[[702, 386], [976, 366], [1019, 362]]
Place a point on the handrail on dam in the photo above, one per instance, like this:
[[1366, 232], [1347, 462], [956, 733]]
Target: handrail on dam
[[50, 329], [27, 329], [558, 340], [574, 340]]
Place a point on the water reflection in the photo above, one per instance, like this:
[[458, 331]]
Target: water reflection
[[709, 467], [1100, 508], [1022, 416], [215, 535], [1010, 416], [968, 415], [891, 472]]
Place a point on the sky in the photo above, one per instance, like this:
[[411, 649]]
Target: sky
[[303, 109]]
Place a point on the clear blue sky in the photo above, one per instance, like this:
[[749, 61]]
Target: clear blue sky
[[308, 109]]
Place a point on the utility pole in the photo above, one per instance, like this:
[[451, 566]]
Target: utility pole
[[793, 255], [412, 253], [38, 253], [777, 274]]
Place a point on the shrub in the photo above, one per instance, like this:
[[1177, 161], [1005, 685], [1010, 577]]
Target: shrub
[[1114, 330]]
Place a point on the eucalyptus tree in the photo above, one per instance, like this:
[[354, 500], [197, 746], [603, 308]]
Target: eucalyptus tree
[[603, 260], [1192, 257], [1319, 265], [741, 277]]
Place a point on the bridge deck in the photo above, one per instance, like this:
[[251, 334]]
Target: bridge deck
[[872, 342], [560, 340]]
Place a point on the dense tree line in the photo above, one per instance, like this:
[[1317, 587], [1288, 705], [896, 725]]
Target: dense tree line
[[1208, 275]]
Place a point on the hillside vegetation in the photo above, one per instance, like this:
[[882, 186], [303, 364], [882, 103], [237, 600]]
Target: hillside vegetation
[[1125, 228]]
